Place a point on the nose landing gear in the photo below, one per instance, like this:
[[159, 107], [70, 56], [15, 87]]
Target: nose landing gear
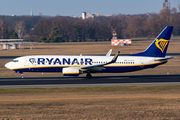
[[22, 75]]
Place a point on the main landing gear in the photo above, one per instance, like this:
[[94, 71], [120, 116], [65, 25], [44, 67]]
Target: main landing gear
[[89, 76]]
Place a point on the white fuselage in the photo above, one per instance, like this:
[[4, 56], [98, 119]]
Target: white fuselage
[[55, 63]]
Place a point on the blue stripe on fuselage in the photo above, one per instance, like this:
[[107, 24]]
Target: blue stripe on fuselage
[[108, 69]]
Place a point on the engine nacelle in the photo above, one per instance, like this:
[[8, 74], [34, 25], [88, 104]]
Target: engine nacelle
[[71, 71]]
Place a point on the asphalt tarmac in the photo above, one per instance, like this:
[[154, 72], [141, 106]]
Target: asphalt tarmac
[[133, 80]]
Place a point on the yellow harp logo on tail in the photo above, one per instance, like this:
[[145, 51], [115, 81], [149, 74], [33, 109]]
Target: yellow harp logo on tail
[[161, 44]]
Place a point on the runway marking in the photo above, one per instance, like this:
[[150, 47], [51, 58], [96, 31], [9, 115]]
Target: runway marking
[[116, 78]]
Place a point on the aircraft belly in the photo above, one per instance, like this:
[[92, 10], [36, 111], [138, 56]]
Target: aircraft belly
[[44, 69], [121, 69], [128, 68]]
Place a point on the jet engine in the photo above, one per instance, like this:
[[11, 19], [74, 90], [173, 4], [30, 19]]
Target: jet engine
[[71, 71]]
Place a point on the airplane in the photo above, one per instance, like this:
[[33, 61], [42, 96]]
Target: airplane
[[70, 65]]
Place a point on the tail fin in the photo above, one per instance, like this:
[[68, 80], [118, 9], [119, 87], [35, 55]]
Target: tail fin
[[159, 46]]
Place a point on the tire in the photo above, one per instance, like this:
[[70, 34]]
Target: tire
[[89, 76]]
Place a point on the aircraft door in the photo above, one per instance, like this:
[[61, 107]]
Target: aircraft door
[[26, 62], [142, 63]]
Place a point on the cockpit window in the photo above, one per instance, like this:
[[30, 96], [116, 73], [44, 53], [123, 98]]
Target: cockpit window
[[15, 60]]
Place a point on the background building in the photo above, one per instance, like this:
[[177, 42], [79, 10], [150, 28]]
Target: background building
[[166, 5], [84, 15], [90, 15]]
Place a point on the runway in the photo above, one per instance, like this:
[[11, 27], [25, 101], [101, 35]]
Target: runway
[[133, 80]]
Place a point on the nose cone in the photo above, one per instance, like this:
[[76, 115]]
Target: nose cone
[[8, 65]]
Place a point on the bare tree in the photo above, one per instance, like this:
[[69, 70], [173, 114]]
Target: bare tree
[[134, 28], [64, 27], [42, 28], [3, 30], [174, 10], [20, 29], [99, 28]]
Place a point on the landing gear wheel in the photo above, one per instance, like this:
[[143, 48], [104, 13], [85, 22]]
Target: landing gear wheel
[[22, 76], [89, 76]]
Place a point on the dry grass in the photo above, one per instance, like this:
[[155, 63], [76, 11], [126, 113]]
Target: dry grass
[[143, 102], [85, 48]]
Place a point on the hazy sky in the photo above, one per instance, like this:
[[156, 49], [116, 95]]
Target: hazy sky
[[76, 7]]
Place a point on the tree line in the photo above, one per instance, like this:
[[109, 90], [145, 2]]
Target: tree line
[[69, 29]]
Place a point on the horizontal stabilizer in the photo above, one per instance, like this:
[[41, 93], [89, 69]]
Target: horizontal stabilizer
[[164, 59]]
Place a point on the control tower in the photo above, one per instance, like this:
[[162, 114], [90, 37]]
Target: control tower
[[166, 5]]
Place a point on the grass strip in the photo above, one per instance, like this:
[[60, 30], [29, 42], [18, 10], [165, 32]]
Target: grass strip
[[120, 89]]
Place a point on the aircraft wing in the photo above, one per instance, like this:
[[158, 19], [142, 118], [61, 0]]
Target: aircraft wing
[[99, 67]]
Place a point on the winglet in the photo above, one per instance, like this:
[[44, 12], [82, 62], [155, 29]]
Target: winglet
[[115, 57], [109, 52]]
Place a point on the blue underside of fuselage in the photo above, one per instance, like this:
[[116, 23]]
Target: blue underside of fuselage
[[116, 69]]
